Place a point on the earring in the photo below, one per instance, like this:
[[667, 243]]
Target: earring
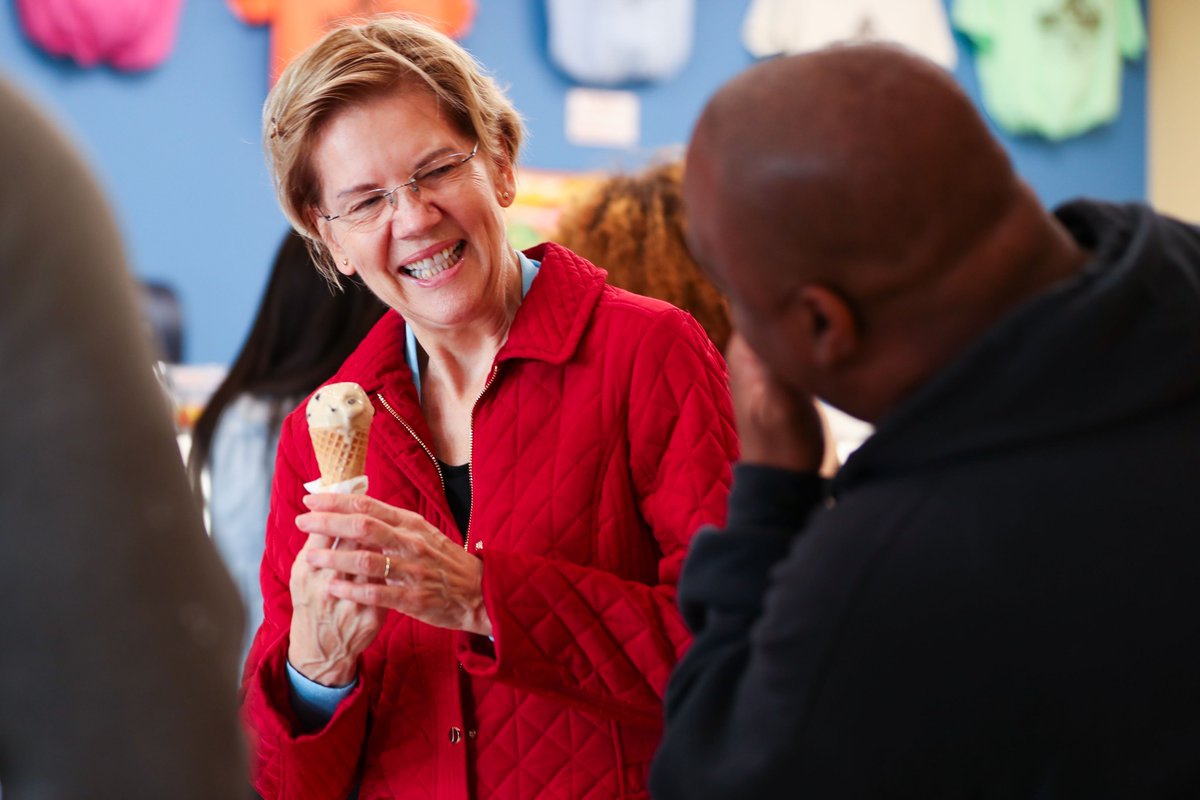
[[345, 262], [504, 195]]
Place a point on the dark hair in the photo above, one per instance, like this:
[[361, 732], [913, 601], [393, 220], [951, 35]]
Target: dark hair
[[304, 330]]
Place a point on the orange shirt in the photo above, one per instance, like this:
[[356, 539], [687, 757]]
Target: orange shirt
[[296, 24]]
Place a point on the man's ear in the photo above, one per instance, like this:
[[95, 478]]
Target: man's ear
[[831, 325]]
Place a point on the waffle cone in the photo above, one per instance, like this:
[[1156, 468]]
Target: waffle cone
[[339, 456]]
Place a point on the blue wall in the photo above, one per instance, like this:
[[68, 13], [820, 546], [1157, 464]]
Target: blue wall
[[178, 147]]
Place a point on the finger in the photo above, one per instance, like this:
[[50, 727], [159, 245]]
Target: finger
[[362, 504], [366, 594], [367, 563], [315, 541], [363, 529]]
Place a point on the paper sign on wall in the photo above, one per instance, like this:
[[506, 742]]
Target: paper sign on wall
[[602, 118]]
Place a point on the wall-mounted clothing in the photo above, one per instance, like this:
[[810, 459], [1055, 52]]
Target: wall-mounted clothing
[[773, 27], [1051, 67], [614, 42], [128, 34], [296, 24]]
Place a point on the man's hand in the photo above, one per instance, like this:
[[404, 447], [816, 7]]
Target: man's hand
[[777, 427]]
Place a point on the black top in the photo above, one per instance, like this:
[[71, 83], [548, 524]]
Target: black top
[[458, 492]]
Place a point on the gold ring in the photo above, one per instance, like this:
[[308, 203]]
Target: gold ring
[[387, 566]]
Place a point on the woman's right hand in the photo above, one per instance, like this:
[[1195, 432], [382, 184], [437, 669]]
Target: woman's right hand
[[327, 632]]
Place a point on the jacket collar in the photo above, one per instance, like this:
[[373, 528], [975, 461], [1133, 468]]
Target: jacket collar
[[548, 326], [551, 320]]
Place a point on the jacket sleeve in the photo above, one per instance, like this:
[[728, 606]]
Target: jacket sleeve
[[584, 634], [288, 762], [723, 700]]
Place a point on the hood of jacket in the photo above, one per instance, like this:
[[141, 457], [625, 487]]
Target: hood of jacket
[[1112, 345]]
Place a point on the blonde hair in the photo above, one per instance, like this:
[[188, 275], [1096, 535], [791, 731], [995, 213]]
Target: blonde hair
[[633, 227], [361, 61]]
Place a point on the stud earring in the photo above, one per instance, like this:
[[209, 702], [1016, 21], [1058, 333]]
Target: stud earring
[[345, 262]]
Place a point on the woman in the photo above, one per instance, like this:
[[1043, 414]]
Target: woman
[[497, 618], [303, 331]]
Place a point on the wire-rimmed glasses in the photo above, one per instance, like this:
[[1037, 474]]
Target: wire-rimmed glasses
[[367, 211]]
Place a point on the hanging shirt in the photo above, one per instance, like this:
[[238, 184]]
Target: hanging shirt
[[1051, 67], [128, 34], [614, 42], [296, 24], [774, 27]]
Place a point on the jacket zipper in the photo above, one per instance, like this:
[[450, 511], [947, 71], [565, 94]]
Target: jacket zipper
[[471, 460], [424, 446]]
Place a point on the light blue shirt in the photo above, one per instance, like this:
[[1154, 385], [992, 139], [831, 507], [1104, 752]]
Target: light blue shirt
[[316, 703]]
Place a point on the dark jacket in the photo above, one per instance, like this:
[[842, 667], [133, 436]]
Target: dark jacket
[[1000, 596]]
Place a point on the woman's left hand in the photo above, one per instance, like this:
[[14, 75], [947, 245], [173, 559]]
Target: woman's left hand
[[425, 574]]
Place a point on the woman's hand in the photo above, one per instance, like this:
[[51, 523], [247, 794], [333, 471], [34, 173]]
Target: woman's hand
[[328, 632], [393, 558]]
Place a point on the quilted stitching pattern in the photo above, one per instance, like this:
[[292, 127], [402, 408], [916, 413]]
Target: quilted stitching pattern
[[603, 444]]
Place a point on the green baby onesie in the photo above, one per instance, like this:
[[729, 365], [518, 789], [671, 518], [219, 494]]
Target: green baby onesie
[[1051, 67]]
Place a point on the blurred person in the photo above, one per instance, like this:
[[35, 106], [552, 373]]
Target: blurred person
[[497, 618], [121, 627], [303, 330], [996, 597], [632, 225]]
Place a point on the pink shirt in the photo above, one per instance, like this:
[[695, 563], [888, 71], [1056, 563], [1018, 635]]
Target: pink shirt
[[128, 34]]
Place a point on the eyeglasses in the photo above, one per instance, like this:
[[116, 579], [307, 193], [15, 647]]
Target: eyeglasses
[[367, 211]]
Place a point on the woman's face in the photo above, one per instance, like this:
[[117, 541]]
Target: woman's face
[[440, 256]]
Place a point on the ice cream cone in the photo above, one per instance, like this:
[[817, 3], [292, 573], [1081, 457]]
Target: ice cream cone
[[339, 422], [339, 457]]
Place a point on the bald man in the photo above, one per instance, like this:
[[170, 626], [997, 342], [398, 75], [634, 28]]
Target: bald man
[[999, 594]]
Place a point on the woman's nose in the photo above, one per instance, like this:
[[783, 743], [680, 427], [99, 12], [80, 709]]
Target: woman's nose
[[411, 212]]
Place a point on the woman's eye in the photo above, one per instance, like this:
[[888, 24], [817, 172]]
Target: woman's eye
[[365, 204], [437, 171]]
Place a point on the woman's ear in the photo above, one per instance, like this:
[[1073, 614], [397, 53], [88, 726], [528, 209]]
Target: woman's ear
[[832, 326], [325, 232], [506, 183]]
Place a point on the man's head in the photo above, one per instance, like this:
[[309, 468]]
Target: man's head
[[860, 218]]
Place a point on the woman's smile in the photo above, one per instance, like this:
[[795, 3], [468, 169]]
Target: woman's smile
[[424, 269]]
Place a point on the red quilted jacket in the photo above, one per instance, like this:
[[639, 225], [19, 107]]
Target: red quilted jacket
[[603, 441]]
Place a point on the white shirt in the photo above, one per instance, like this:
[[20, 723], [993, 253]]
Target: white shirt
[[773, 27]]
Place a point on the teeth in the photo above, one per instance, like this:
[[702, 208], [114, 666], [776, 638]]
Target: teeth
[[428, 267]]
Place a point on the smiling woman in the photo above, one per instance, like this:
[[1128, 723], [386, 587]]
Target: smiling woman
[[544, 446]]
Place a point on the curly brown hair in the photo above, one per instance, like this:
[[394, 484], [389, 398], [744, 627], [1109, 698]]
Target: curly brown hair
[[632, 225]]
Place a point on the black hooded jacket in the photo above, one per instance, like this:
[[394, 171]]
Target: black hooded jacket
[[999, 594]]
